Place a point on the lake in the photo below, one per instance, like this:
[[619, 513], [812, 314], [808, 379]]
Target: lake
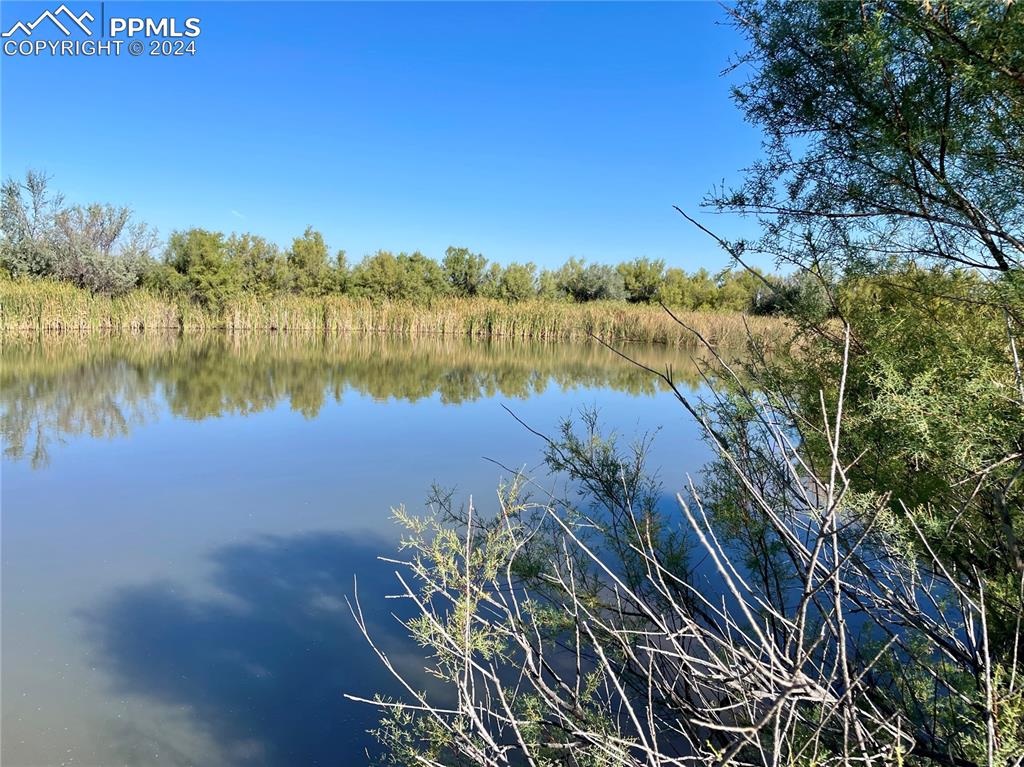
[[183, 519]]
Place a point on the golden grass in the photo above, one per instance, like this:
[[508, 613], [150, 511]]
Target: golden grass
[[46, 306]]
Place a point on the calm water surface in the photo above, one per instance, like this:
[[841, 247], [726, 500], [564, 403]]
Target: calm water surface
[[183, 518]]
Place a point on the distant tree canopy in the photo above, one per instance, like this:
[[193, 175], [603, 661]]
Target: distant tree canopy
[[264, 267], [464, 270], [517, 282], [309, 263], [410, 277], [104, 249], [98, 247], [641, 279], [201, 258]]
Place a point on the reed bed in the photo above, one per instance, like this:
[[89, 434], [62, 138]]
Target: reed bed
[[45, 306]]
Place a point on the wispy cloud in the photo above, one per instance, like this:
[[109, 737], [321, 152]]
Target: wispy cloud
[[236, 214]]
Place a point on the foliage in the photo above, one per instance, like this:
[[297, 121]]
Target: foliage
[[586, 631], [548, 288], [864, 516], [590, 282], [735, 290], [641, 279], [679, 289], [98, 247], [883, 120], [201, 258], [904, 188], [403, 277], [265, 269], [43, 305], [102, 248], [160, 278], [28, 225], [464, 270], [310, 272], [892, 182], [801, 294], [935, 414], [516, 282]]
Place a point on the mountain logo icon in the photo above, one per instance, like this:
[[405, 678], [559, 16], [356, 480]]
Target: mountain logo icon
[[65, 26]]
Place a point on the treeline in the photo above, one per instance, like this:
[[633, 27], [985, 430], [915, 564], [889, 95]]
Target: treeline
[[102, 248]]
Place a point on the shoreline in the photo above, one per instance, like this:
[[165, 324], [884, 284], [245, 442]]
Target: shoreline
[[58, 308]]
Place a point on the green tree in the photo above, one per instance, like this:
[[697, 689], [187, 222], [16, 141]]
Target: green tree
[[675, 289], [801, 294], [737, 289], [490, 284], [424, 279], [264, 268], [378, 276], [464, 270], [517, 282], [909, 118], [696, 292], [342, 273], [201, 257], [548, 287], [894, 176], [642, 278], [590, 282], [403, 277], [308, 263], [163, 278], [28, 220]]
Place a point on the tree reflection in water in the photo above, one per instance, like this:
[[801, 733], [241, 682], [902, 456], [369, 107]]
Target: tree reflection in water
[[52, 387]]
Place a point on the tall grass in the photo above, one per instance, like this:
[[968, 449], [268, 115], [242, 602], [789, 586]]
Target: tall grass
[[41, 305]]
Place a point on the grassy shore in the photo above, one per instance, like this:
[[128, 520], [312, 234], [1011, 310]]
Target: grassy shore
[[43, 306]]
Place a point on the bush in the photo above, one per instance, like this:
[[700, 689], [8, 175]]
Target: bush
[[97, 247], [403, 277], [308, 263], [264, 268], [641, 279], [801, 295], [100, 249], [595, 282], [518, 282], [26, 249], [201, 257], [464, 271]]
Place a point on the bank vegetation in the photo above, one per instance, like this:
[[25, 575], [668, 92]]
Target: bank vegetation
[[38, 305]]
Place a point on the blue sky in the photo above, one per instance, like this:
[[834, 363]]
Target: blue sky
[[525, 131]]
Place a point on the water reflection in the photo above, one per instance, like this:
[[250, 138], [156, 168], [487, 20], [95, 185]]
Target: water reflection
[[173, 593], [59, 386], [262, 667]]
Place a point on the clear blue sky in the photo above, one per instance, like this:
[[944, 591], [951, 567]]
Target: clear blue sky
[[525, 131]]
